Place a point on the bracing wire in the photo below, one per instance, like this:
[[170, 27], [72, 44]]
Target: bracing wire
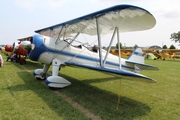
[[119, 95]]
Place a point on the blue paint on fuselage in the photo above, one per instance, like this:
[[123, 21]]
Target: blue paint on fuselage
[[39, 47]]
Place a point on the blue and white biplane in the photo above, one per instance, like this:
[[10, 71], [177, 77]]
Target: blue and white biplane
[[78, 42]]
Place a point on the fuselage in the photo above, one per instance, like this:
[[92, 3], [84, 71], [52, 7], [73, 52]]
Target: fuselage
[[46, 49]]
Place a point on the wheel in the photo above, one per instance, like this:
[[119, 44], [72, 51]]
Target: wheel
[[17, 60], [40, 79], [42, 76], [52, 88], [22, 62]]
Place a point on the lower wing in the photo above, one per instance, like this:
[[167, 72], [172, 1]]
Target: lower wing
[[123, 73], [142, 66]]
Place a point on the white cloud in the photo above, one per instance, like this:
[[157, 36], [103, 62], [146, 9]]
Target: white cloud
[[166, 8], [115, 2], [162, 8], [34, 4], [25, 4], [109, 2], [53, 4]]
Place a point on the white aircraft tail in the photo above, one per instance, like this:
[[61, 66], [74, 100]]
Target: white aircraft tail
[[137, 56], [137, 59]]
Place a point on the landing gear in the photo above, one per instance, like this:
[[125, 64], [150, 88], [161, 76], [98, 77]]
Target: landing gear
[[42, 74], [57, 82], [22, 62], [21, 59], [38, 73], [53, 81]]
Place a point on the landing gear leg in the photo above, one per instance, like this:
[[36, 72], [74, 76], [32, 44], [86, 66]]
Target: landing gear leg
[[56, 81]]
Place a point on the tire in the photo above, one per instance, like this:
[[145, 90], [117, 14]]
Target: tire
[[22, 62]]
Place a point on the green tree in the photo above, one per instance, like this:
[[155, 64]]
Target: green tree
[[164, 47], [135, 46], [117, 45], [175, 37], [172, 47]]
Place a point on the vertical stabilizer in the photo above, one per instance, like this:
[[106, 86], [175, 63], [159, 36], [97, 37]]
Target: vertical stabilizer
[[137, 56]]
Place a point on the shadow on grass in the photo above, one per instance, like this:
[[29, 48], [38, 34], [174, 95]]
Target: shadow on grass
[[30, 65], [54, 102], [101, 102], [169, 59]]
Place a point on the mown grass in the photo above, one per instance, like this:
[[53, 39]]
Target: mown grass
[[23, 97], [99, 93]]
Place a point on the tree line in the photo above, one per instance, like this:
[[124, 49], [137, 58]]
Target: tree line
[[174, 36], [135, 46]]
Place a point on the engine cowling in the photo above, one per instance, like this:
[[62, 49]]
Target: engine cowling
[[9, 48]]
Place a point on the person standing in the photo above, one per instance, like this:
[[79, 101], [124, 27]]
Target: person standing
[[1, 59]]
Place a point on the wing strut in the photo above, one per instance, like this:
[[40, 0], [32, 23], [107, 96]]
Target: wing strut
[[119, 48], [99, 43], [80, 31], [110, 44], [74, 38], [59, 34], [51, 31]]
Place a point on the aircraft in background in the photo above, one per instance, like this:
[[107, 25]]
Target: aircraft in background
[[164, 53], [124, 52], [6, 52], [70, 44], [175, 56], [127, 52], [20, 53], [150, 56]]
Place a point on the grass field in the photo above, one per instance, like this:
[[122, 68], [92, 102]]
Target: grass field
[[24, 97]]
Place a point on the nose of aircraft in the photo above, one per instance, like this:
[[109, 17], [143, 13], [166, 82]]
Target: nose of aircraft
[[25, 45], [15, 46], [9, 48]]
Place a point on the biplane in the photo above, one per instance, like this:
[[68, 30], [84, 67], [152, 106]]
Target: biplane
[[123, 52], [164, 53], [62, 45], [6, 52], [17, 52]]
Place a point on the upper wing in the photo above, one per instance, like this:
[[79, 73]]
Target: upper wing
[[126, 17], [25, 38]]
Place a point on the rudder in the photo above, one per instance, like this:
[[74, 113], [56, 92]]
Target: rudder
[[137, 56]]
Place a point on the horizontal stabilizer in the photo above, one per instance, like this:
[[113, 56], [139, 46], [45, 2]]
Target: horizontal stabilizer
[[142, 66]]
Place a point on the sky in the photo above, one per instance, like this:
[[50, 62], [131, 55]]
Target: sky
[[20, 18]]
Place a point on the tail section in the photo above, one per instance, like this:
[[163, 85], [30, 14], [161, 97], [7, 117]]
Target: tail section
[[137, 56], [136, 59]]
